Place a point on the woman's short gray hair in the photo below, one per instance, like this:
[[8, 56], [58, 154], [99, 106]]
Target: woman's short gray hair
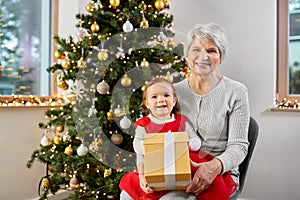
[[212, 31]]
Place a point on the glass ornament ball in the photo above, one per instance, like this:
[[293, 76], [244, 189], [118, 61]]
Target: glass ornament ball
[[102, 87], [66, 64], [125, 122], [95, 27], [60, 128], [126, 81], [59, 55], [74, 183], [57, 139], [159, 4], [45, 141], [116, 138], [127, 26], [90, 7], [109, 115], [46, 183], [102, 55], [144, 23], [62, 85], [82, 150], [114, 3], [68, 150], [145, 63]]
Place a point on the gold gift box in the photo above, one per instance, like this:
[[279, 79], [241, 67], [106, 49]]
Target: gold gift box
[[166, 161]]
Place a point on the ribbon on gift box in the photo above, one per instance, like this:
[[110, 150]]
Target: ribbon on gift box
[[169, 165]]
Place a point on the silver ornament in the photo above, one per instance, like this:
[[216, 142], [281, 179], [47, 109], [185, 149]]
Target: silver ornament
[[102, 87], [82, 150], [125, 123], [127, 26]]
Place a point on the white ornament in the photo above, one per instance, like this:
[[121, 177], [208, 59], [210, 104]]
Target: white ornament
[[127, 26], [125, 123], [45, 141], [66, 136], [102, 87], [82, 150]]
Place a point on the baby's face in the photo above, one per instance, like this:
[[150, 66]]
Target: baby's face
[[160, 100]]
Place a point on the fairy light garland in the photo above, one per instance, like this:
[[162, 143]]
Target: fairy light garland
[[30, 101]]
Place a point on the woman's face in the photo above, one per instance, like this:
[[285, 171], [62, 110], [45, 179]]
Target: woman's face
[[203, 57]]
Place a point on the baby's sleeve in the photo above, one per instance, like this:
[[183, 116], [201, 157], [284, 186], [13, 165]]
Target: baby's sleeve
[[138, 146]]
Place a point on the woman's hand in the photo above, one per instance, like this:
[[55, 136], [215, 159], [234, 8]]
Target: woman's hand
[[204, 176], [143, 184]]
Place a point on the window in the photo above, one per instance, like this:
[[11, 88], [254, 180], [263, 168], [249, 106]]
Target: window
[[288, 47], [26, 30]]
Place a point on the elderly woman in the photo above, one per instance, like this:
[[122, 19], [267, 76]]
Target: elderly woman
[[216, 106]]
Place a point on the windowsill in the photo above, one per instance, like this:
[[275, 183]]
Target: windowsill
[[30, 101], [276, 109]]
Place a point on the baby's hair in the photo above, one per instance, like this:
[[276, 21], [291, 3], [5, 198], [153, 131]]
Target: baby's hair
[[145, 110]]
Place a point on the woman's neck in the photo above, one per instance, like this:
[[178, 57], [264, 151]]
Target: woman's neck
[[203, 85]]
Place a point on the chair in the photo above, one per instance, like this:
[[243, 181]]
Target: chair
[[252, 137]]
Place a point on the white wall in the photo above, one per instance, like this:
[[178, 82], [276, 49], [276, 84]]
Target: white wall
[[251, 28]]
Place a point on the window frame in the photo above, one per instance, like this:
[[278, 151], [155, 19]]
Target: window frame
[[282, 76], [52, 86]]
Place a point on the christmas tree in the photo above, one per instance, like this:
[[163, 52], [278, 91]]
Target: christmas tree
[[120, 45]]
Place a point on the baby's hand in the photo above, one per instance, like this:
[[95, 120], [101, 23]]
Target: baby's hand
[[143, 184], [195, 144]]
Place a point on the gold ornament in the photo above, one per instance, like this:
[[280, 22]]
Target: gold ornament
[[144, 23], [63, 85], [59, 55], [114, 3], [187, 73], [60, 128], [144, 63], [57, 139], [126, 81], [116, 138], [171, 43], [159, 4], [119, 112], [95, 27], [102, 55], [46, 183], [68, 150], [107, 173], [66, 64], [81, 64], [109, 115], [72, 97], [90, 7], [74, 183]]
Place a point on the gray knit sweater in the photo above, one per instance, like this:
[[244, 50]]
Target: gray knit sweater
[[220, 118]]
